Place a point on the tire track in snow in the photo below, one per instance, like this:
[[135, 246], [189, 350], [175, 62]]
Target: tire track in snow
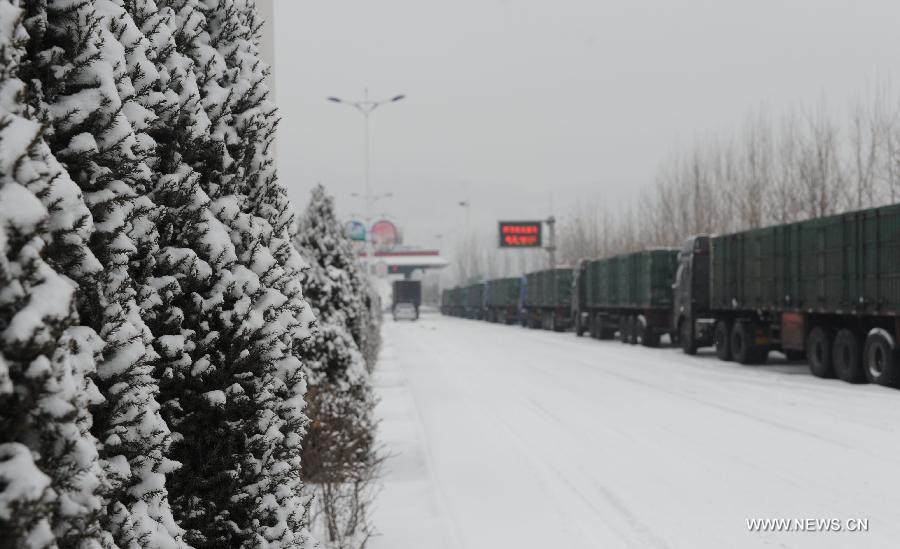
[[642, 382], [547, 471], [447, 355]]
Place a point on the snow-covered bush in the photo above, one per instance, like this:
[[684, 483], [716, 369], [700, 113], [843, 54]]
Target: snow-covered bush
[[81, 88], [51, 481], [344, 289], [339, 455], [151, 313]]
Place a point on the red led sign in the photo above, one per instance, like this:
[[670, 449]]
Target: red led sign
[[520, 234]]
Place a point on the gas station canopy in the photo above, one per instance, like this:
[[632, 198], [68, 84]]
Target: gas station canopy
[[406, 261]]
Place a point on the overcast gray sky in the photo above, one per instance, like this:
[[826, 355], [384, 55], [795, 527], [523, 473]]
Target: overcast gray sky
[[510, 103]]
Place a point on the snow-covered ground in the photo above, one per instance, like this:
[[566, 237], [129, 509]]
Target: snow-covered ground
[[504, 437]]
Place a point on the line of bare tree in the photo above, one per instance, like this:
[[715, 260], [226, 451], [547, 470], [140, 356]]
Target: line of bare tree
[[801, 164]]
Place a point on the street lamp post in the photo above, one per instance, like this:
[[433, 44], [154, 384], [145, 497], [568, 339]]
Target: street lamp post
[[366, 106], [551, 247]]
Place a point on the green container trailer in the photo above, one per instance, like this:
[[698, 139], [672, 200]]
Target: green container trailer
[[828, 288], [548, 299], [630, 293], [455, 299], [406, 292], [602, 282], [502, 299], [452, 302], [842, 264], [445, 301], [475, 301]]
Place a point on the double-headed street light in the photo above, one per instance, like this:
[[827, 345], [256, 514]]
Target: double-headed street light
[[366, 106], [375, 197]]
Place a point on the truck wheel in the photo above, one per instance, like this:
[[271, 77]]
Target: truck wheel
[[579, 325], [640, 330], [624, 329], [818, 353], [604, 330], [599, 327], [880, 359], [847, 356], [632, 330], [686, 338], [651, 337], [722, 336], [742, 350]]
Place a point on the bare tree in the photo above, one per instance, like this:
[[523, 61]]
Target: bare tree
[[754, 170], [782, 201], [866, 136]]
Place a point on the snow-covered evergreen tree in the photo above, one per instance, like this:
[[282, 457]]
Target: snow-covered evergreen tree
[[321, 236], [81, 88], [51, 480], [236, 407], [339, 451], [164, 222], [334, 288]]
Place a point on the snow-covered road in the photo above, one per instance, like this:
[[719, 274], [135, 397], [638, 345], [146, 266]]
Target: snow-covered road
[[504, 437]]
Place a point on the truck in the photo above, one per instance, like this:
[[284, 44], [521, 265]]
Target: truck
[[825, 289], [502, 300], [629, 294], [474, 308], [547, 299], [455, 301], [406, 292], [446, 301]]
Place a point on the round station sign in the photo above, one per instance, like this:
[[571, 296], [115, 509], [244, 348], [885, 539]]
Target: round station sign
[[355, 230], [385, 236]]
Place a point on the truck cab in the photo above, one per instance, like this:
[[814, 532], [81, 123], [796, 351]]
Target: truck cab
[[580, 316], [691, 316], [522, 310]]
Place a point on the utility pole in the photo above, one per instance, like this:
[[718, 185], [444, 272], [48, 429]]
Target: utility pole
[[366, 106], [551, 240]]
